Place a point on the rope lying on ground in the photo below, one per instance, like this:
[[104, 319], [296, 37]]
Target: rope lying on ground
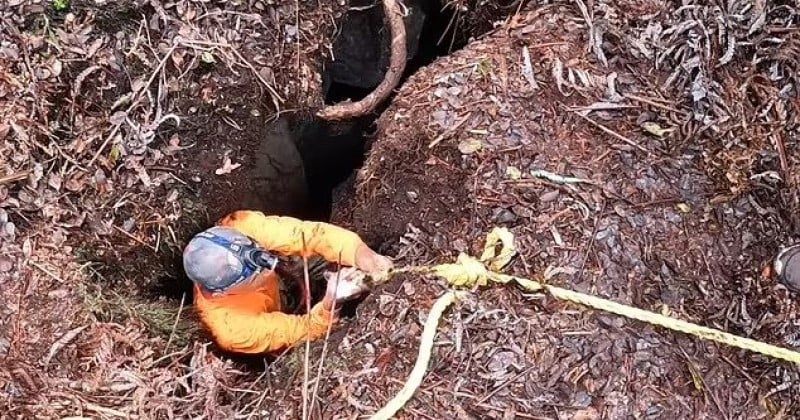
[[426, 345], [468, 271]]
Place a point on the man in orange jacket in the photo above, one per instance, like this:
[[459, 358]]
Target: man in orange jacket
[[241, 292]]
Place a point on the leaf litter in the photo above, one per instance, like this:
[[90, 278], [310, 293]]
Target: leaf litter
[[659, 210], [90, 139]]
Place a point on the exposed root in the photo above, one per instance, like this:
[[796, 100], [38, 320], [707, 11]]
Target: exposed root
[[397, 65]]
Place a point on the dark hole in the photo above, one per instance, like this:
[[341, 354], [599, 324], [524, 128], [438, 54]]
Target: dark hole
[[332, 152], [361, 49]]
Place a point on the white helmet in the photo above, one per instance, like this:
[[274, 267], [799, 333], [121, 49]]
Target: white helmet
[[220, 258]]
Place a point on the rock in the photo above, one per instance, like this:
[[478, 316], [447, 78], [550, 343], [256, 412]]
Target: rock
[[581, 399], [502, 215]]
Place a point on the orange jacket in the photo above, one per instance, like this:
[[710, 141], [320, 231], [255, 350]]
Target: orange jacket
[[249, 319]]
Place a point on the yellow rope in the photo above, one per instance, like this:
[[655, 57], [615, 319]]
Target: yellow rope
[[468, 271], [421, 366]]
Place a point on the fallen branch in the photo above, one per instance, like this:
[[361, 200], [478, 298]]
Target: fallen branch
[[397, 64], [614, 134], [424, 356], [8, 179]]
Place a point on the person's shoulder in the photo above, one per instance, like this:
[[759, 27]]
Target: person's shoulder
[[252, 219], [240, 217]]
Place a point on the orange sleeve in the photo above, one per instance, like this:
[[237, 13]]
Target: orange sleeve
[[285, 235], [258, 333]]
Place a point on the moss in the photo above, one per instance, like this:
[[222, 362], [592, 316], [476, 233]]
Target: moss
[[159, 316]]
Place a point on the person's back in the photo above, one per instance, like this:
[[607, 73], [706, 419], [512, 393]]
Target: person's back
[[241, 297]]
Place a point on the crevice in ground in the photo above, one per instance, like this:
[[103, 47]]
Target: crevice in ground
[[333, 151], [329, 152]]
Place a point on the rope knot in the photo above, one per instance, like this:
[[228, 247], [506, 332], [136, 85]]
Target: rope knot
[[467, 271]]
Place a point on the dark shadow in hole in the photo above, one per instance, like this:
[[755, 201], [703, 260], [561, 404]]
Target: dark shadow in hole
[[361, 47]]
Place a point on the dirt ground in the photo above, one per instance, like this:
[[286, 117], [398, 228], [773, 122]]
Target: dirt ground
[[679, 126], [654, 224]]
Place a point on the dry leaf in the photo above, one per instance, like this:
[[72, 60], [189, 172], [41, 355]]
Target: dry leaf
[[92, 50], [6, 265], [469, 146], [696, 378], [173, 146], [513, 172], [55, 180], [56, 68], [117, 118], [655, 129], [207, 57], [227, 167], [76, 183], [114, 154]]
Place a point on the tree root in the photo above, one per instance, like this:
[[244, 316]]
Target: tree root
[[397, 64]]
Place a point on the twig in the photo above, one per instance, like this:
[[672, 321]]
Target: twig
[[591, 244], [276, 98], [506, 383], [397, 64], [135, 103], [781, 148], [175, 324], [327, 337], [449, 131], [139, 241], [297, 26], [693, 372], [103, 410], [614, 133], [559, 179], [307, 296], [425, 347], [46, 271], [26, 60], [739, 369], [19, 176]]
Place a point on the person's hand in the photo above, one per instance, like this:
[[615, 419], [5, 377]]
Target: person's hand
[[346, 284], [370, 261]]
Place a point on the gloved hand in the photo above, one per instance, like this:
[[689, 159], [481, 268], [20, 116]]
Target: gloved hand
[[346, 284], [370, 261]]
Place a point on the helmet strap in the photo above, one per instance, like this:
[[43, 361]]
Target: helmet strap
[[253, 259]]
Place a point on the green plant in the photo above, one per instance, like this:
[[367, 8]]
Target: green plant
[[60, 5]]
